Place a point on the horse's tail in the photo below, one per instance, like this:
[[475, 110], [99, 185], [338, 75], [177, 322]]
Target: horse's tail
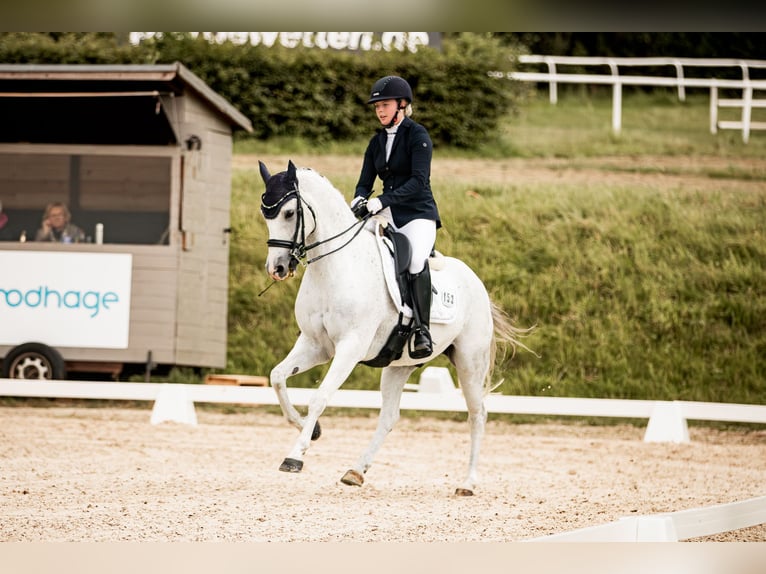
[[507, 335]]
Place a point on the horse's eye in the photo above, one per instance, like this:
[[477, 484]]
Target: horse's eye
[[289, 213]]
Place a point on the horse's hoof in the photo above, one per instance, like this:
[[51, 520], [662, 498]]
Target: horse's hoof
[[317, 431], [463, 492], [291, 465], [352, 478]]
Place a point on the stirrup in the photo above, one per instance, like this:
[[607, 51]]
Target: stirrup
[[426, 345]]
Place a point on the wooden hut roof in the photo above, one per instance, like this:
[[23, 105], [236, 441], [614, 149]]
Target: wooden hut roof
[[85, 80]]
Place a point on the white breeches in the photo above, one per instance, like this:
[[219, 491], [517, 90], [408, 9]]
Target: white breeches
[[422, 236]]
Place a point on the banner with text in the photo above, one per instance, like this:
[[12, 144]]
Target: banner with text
[[65, 299], [354, 41]]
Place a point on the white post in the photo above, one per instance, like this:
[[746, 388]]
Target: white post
[[747, 108], [436, 380], [616, 98], [655, 529], [745, 70], [173, 405], [713, 109], [667, 424], [552, 85], [680, 76]]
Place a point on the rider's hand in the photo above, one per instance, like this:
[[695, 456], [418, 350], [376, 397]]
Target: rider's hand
[[374, 205], [359, 206]]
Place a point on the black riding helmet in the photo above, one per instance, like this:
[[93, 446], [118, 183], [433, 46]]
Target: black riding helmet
[[390, 88]]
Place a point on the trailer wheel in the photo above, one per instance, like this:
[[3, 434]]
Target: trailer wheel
[[34, 361]]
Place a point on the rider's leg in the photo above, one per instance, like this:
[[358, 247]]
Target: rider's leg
[[422, 236], [420, 286]]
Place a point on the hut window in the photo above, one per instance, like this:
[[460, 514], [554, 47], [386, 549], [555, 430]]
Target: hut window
[[129, 195]]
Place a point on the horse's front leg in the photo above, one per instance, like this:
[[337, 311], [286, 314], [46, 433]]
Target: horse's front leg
[[392, 381], [347, 354], [304, 355]]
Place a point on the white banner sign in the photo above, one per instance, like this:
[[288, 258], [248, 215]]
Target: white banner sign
[[364, 41], [65, 299]]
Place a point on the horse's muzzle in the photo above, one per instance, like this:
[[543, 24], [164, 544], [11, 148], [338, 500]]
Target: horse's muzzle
[[281, 267]]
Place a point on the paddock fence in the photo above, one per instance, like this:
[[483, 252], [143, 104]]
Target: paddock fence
[[746, 86]]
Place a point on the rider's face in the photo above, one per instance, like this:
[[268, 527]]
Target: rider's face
[[386, 110]]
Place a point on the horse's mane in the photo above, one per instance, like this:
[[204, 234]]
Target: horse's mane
[[311, 180]]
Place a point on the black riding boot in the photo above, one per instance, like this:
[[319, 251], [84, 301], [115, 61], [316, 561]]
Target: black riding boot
[[420, 287]]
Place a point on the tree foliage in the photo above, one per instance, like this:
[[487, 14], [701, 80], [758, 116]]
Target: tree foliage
[[318, 95]]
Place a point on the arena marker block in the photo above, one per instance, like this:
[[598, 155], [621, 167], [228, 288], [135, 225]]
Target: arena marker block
[[436, 380], [655, 529], [667, 424], [173, 405]]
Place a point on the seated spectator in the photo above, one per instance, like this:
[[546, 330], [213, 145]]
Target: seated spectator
[[4, 231], [56, 226]]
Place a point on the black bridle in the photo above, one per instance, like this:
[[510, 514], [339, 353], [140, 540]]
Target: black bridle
[[297, 247]]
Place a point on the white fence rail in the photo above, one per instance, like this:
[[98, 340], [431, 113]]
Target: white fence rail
[[748, 86], [667, 420], [671, 526]]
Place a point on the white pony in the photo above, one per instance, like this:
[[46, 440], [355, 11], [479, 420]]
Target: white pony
[[346, 311]]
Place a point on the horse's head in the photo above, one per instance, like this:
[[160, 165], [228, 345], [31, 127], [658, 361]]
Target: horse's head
[[283, 209], [292, 205]]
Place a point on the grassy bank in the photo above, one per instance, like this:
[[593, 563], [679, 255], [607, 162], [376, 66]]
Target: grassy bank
[[645, 280], [580, 125]]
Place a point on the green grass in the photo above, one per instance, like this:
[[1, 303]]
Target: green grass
[[637, 290], [580, 125], [660, 124]]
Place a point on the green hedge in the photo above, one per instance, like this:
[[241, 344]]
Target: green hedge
[[317, 95]]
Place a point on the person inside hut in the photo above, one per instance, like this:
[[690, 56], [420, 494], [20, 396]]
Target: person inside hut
[[57, 226], [4, 228]]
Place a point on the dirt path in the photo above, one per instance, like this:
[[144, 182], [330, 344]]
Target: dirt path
[[106, 474], [701, 172]]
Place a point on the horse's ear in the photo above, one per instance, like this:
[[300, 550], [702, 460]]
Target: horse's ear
[[265, 175], [291, 169]]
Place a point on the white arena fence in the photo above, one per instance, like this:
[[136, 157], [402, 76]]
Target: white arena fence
[[671, 526], [174, 402], [667, 420], [747, 86]]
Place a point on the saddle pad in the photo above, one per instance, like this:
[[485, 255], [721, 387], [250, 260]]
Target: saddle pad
[[443, 301]]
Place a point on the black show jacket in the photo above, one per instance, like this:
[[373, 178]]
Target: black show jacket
[[407, 175]]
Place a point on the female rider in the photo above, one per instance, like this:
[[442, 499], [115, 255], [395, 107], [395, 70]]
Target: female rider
[[400, 154]]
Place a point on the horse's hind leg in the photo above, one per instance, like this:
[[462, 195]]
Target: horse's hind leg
[[392, 381], [472, 368]]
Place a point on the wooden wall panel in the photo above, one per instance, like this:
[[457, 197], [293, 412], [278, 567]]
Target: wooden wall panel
[[124, 183], [33, 181]]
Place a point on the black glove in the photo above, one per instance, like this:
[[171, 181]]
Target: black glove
[[359, 207]]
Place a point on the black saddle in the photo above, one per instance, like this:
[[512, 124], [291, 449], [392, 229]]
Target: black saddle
[[402, 253], [401, 250]]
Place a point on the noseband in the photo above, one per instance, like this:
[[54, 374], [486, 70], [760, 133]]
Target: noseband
[[297, 245]]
